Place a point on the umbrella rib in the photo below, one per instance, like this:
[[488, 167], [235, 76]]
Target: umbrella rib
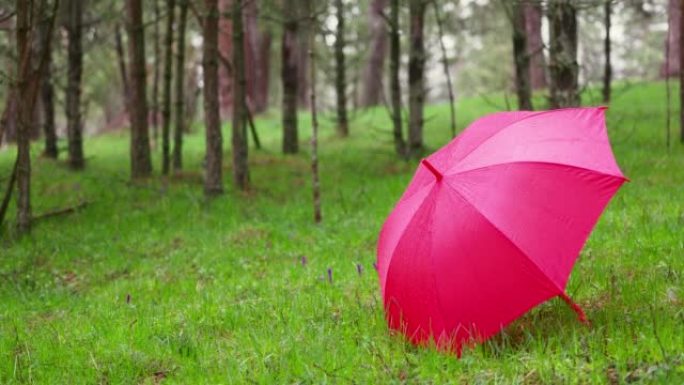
[[502, 128], [403, 231], [560, 292], [533, 115], [493, 165]]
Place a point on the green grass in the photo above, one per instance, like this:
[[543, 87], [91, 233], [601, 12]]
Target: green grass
[[218, 293]]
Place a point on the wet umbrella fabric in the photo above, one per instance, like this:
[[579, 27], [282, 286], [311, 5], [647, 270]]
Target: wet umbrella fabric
[[492, 223]]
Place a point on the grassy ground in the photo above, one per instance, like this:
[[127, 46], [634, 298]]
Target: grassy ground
[[152, 283]]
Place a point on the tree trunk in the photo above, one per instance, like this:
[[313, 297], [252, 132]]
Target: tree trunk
[[373, 71], [674, 18], [263, 72], [47, 93], [340, 73], [48, 102], [23, 166], [416, 76], [290, 79], [395, 85], [239, 132], [75, 74], [681, 77], [213, 178], [179, 127], [166, 87], [563, 54], [535, 44], [315, 179], [445, 65], [28, 80], [155, 76], [521, 58], [607, 67], [225, 50], [123, 71], [302, 51], [141, 165]]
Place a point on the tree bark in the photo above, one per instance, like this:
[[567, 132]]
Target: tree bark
[[166, 87], [340, 73], [607, 67], [563, 54], [47, 92], [290, 79], [416, 76], [681, 76], [213, 178], [535, 44], [674, 19], [373, 71], [239, 132], [23, 163], [179, 127], [263, 72], [302, 51], [315, 179], [74, 30], [155, 76], [521, 57], [28, 79], [141, 165], [445, 65], [395, 85]]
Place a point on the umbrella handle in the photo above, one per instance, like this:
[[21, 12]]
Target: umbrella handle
[[580, 313]]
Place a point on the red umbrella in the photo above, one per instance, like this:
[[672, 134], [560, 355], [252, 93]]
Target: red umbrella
[[492, 223]]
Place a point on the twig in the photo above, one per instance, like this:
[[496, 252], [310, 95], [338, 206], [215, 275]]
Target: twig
[[62, 211]]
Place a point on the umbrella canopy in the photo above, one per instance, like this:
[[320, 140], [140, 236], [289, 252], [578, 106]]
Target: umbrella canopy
[[492, 223]]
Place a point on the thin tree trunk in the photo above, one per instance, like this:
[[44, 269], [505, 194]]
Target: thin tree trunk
[[395, 85], [373, 71], [535, 44], [179, 128], [445, 64], [563, 54], [264, 72], [239, 132], [155, 77], [289, 74], [141, 165], [48, 102], [28, 84], [607, 67], [166, 88], [47, 92], [416, 76], [521, 57], [315, 179], [674, 19], [74, 29], [668, 91], [213, 179], [302, 50], [340, 72], [681, 76], [23, 162], [123, 71]]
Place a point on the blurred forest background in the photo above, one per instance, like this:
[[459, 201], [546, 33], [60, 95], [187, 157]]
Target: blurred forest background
[[77, 68], [165, 217]]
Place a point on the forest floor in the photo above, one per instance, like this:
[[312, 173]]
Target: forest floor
[[151, 283]]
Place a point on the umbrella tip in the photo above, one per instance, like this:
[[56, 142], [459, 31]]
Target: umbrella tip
[[438, 175]]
